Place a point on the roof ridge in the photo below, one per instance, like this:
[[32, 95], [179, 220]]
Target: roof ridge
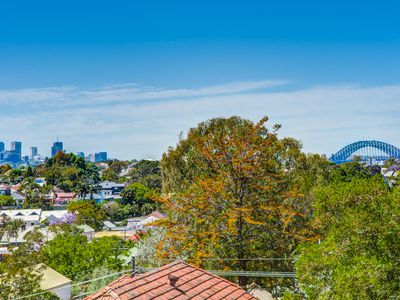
[[205, 271], [149, 273]]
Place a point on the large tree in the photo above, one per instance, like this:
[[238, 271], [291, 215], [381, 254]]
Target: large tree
[[357, 254], [229, 195]]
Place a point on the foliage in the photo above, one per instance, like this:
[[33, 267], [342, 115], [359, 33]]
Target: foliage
[[35, 195], [357, 255], [96, 285], [229, 195], [87, 212], [116, 212], [351, 170], [12, 227], [118, 165], [139, 197], [21, 270], [6, 200], [147, 252], [72, 255], [71, 174], [148, 173], [109, 175]]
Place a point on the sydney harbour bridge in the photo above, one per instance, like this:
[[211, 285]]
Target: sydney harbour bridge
[[369, 151]]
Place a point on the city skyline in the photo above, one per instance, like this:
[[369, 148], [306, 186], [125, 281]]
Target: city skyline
[[132, 85], [14, 153]]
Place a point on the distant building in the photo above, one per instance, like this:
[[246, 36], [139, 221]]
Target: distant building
[[57, 147], [100, 157], [80, 154], [140, 223], [16, 146], [90, 157], [30, 217], [12, 157], [110, 189], [2, 147], [16, 151], [33, 152], [63, 198], [88, 231], [18, 197], [5, 190]]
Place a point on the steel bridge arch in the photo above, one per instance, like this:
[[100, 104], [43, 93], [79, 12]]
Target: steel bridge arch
[[343, 154]]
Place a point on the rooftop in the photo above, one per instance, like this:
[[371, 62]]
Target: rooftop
[[52, 279], [177, 280]]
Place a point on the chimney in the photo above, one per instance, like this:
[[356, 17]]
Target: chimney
[[172, 279]]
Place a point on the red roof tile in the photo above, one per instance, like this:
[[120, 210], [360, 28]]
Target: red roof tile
[[193, 283]]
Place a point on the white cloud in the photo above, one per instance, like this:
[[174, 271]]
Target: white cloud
[[131, 121]]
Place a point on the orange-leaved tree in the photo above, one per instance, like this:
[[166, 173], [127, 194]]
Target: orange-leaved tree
[[229, 196]]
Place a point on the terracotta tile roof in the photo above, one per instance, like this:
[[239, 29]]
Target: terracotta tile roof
[[192, 283]]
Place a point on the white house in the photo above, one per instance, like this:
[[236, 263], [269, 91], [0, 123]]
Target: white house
[[18, 197], [140, 222], [30, 217]]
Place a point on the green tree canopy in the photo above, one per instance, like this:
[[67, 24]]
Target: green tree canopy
[[87, 212], [357, 254], [71, 254]]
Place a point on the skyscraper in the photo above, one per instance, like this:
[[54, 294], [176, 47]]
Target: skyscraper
[[16, 147], [34, 152], [2, 151], [57, 147], [101, 156], [80, 154]]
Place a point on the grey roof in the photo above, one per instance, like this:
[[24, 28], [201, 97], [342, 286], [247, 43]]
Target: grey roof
[[86, 228], [110, 184], [109, 224], [18, 195]]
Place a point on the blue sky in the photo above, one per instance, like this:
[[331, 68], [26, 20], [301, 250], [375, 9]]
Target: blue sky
[[128, 76]]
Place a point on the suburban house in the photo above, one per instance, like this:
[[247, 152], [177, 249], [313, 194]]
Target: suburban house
[[5, 190], [107, 225], [88, 231], [18, 197], [55, 282], [62, 198], [32, 217], [139, 223], [109, 189], [96, 197], [177, 280]]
